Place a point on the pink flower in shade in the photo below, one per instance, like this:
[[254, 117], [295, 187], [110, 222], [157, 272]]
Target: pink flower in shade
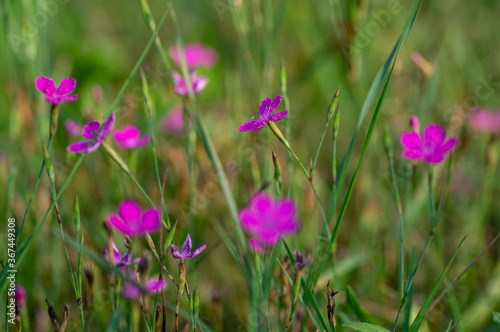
[[132, 221], [57, 95], [300, 263], [254, 245], [196, 55], [72, 128], [172, 123], [265, 114], [485, 121], [269, 220], [431, 148], [199, 83], [95, 133], [121, 260], [185, 252], [130, 138], [150, 286], [20, 297]]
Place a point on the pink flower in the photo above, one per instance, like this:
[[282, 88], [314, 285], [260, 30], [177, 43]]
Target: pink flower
[[484, 121], [185, 252], [151, 286], [59, 95], [73, 129], [20, 297], [172, 123], [199, 83], [121, 260], [300, 263], [93, 135], [265, 114], [269, 220], [196, 55], [130, 138], [132, 221], [431, 148]]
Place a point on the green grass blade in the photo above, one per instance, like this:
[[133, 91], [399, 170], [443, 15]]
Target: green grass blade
[[365, 327]]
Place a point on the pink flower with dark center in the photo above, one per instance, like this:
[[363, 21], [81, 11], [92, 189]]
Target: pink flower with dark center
[[196, 55], [265, 115], [172, 123], [150, 286], [199, 83], [20, 297], [73, 129], [121, 260], [132, 221], [485, 121], [185, 252], [130, 138], [95, 133], [269, 220], [57, 95], [431, 148]]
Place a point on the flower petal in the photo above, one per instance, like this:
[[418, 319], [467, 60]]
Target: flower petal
[[411, 141], [199, 83], [276, 102], [414, 155], [78, 147], [150, 221], [118, 224], [90, 129], [130, 291], [153, 285], [72, 128], [107, 128], [434, 135], [45, 85], [129, 212], [448, 145], [265, 107], [197, 251], [435, 158], [278, 116], [67, 86], [248, 221], [187, 245], [253, 125]]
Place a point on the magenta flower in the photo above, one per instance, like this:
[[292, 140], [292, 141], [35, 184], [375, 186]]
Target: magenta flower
[[172, 123], [20, 297], [199, 83], [121, 260], [73, 129], [185, 252], [265, 114], [57, 95], [96, 133], [132, 221], [431, 148], [485, 121], [269, 220], [151, 286], [130, 138], [196, 55]]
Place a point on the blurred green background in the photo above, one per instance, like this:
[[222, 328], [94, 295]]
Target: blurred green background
[[324, 44]]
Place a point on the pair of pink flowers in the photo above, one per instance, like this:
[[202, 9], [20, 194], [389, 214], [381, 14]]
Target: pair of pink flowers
[[195, 55]]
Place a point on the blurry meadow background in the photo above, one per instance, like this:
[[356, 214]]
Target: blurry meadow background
[[305, 51]]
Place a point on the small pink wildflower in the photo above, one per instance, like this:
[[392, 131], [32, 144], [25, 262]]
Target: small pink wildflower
[[94, 137], [130, 138], [196, 55], [132, 221], [185, 252], [199, 83], [269, 220], [121, 260], [431, 148], [172, 123], [485, 121], [20, 296], [300, 263], [265, 114], [151, 286], [57, 95], [73, 129]]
